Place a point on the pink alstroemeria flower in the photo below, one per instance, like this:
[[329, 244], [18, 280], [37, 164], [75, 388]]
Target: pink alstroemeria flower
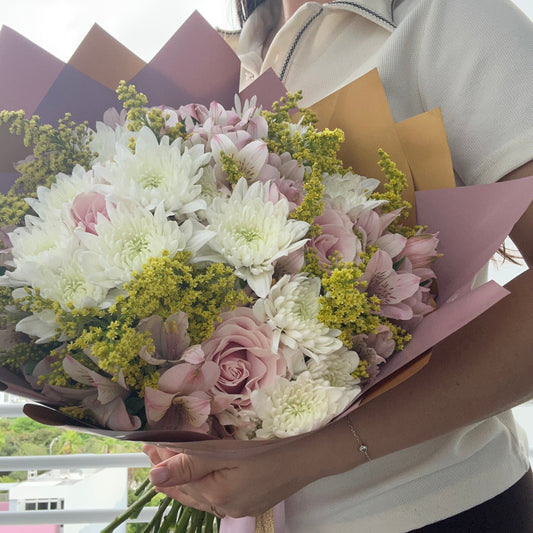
[[251, 158], [182, 400], [381, 341], [106, 389], [368, 354], [113, 118], [391, 287], [290, 178], [112, 415], [104, 399], [336, 238], [372, 225], [421, 250], [170, 337], [85, 210], [422, 304]]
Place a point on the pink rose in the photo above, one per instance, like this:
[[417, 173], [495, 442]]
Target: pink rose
[[241, 346], [85, 209], [336, 238]]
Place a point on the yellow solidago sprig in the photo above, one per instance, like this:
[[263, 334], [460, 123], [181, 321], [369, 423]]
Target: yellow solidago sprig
[[134, 103], [345, 305], [55, 150], [24, 356], [231, 167], [399, 335], [118, 351], [167, 285], [139, 116], [280, 133], [318, 149], [395, 184]]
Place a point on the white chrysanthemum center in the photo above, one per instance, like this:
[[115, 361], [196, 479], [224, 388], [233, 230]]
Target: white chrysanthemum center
[[292, 308], [250, 235], [158, 172], [71, 286], [336, 368], [126, 241], [295, 407], [133, 246], [306, 304], [150, 180], [252, 232]]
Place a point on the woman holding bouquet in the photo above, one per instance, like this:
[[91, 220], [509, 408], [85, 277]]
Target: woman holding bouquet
[[443, 453]]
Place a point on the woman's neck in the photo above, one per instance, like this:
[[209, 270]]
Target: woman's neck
[[290, 7]]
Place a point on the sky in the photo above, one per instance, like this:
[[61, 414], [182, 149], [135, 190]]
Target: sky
[[60, 25]]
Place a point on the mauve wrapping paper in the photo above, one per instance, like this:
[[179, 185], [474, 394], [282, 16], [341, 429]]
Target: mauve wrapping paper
[[486, 211], [472, 222]]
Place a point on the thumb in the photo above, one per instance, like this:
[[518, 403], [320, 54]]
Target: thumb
[[180, 470]]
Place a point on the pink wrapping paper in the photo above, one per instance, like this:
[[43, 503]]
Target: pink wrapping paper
[[489, 212], [209, 70]]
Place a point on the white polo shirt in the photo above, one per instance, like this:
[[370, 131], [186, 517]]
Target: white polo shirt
[[474, 59]]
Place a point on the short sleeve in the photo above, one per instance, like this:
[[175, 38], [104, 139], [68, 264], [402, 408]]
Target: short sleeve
[[475, 61]]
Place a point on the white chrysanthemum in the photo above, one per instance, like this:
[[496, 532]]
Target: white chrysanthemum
[[67, 282], [298, 128], [336, 368], [158, 172], [105, 140], [51, 201], [252, 232], [35, 245], [130, 237], [295, 407], [351, 193], [210, 190], [291, 308], [42, 326]]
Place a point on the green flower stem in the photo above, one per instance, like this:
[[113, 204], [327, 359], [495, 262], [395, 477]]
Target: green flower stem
[[155, 523], [209, 523], [142, 487], [132, 511], [170, 519], [197, 521]]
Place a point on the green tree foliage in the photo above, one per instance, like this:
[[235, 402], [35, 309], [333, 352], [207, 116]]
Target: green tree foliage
[[25, 437]]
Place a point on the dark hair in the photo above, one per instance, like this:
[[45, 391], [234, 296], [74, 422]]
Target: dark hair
[[245, 8]]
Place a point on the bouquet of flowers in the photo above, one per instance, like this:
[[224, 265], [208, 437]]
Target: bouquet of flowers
[[201, 272], [207, 270]]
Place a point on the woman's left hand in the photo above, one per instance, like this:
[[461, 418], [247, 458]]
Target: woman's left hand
[[248, 486], [241, 487]]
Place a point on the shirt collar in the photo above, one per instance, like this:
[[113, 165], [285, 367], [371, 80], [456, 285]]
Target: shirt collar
[[379, 11], [266, 16]]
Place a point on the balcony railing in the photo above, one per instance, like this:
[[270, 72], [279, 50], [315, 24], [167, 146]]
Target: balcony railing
[[85, 516], [64, 462]]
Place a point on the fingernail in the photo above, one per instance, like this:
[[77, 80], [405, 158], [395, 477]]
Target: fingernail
[[159, 475]]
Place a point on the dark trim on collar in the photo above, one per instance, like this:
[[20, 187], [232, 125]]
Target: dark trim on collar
[[295, 43], [389, 21]]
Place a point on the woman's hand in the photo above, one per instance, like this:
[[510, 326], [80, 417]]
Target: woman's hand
[[481, 370], [250, 486], [243, 487]]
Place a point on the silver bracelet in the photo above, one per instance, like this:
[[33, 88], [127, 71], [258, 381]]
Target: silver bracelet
[[363, 448]]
